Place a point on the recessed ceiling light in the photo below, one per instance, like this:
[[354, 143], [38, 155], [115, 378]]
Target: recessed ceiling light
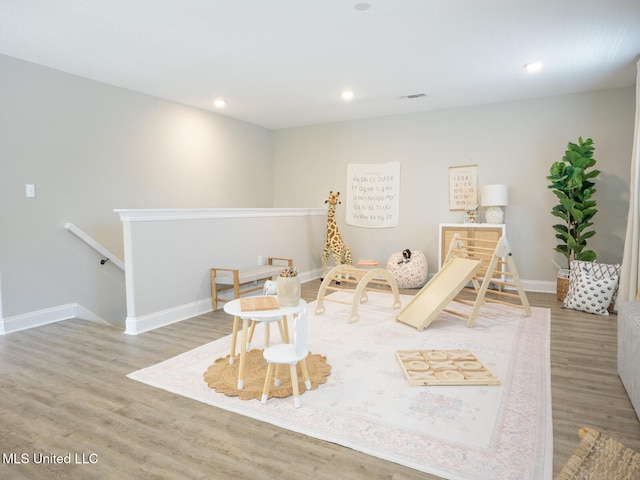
[[361, 7], [533, 66], [219, 103], [347, 95]]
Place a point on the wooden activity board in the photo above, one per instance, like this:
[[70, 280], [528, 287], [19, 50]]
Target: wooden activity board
[[444, 367]]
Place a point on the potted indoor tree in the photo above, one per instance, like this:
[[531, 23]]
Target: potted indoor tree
[[572, 182]]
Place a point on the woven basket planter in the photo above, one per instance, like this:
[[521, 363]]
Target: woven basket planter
[[562, 284]]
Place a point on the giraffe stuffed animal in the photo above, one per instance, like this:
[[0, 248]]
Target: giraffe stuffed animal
[[333, 243]]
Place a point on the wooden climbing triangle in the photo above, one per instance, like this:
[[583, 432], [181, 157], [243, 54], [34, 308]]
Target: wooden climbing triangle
[[481, 263]]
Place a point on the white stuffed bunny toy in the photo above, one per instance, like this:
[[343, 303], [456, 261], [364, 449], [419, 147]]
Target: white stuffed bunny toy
[[269, 288]]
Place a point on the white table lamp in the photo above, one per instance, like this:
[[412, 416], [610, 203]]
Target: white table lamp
[[494, 197]]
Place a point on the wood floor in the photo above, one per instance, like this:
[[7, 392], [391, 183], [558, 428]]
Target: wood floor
[[63, 391]]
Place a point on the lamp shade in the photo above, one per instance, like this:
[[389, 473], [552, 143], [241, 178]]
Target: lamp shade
[[496, 195]]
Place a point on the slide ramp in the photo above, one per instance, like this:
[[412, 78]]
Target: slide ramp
[[445, 285]]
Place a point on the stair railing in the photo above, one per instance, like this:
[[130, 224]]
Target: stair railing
[[107, 256]]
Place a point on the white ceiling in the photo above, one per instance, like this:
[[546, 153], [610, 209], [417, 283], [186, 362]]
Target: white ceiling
[[284, 63]]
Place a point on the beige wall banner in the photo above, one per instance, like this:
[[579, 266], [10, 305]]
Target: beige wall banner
[[463, 186], [373, 194]]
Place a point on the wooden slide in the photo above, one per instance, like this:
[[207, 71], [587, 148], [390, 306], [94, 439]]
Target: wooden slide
[[445, 285], [481, 262]]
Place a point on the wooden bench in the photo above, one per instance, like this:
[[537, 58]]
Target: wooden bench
[[244, 281]]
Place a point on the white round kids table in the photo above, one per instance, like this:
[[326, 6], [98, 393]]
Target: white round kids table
[[234, 307]]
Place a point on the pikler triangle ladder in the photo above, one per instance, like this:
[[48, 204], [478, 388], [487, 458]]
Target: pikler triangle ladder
[[469, 260]]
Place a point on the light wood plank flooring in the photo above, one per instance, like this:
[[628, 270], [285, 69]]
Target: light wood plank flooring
[[63, 390]]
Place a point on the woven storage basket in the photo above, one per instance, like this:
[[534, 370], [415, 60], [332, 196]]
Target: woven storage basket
[[599, 457], [562, 284]]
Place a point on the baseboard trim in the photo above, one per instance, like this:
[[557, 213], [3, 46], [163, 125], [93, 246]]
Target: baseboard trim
[[145, 323], [46, 316], [151, 321], [539, 286]]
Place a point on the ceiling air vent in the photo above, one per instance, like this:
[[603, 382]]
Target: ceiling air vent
[[413, 96]]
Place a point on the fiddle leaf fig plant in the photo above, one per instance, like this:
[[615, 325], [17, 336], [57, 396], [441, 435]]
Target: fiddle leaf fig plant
[[572, 182]]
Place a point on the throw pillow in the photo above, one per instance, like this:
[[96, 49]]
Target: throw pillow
[[596, 270], [591, 294]]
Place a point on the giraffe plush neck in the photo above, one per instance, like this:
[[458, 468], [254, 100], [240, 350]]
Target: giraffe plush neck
[[333, 243]]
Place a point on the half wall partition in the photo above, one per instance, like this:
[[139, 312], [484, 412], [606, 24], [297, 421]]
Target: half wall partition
[[169, 253]]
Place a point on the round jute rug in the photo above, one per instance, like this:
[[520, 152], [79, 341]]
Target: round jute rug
[[223, 377]]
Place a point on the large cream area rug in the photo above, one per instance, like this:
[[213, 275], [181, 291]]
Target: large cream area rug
[[456, 432]]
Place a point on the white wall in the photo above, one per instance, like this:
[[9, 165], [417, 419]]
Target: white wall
[[513, 143], [90, 148]]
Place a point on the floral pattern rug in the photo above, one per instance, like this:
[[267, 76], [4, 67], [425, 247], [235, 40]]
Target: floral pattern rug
[[457, 432]]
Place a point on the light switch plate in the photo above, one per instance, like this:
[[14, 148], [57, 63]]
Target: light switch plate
[[30, 190]]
